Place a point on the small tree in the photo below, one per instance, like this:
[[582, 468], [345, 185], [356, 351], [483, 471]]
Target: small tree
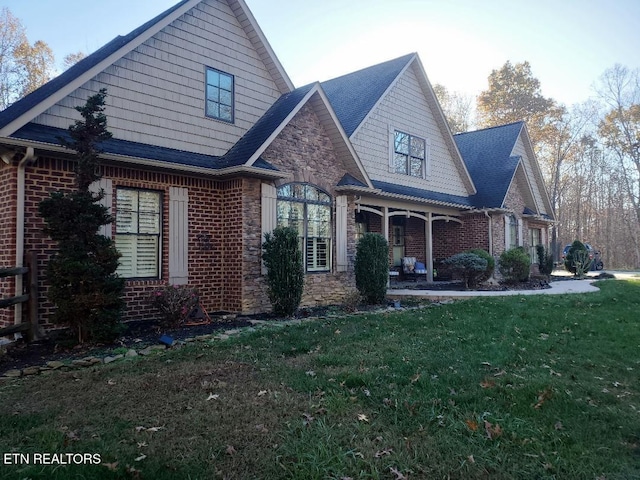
[[469, 266], [577, 260], [372, 267], [515, 265], [282, 256], [545, 260], [82, 280]]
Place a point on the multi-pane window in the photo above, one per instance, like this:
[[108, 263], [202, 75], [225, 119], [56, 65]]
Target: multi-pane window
[[513, 231], [219, 94], [308, 210], [138, 232], [409, 154], [535, 239]]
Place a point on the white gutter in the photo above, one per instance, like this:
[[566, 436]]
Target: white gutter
[[28, 157]]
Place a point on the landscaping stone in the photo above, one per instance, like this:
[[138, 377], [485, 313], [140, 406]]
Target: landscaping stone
[[55, 364], [13, 373], [31, 371], [81, 363], [109, 359], [131, 353]]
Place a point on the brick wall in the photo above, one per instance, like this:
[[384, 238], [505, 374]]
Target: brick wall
[[8, 191]]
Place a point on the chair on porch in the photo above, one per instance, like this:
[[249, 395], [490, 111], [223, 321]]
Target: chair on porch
[[412, 268]]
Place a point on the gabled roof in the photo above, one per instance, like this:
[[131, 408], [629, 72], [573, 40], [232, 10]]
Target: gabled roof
[[26, 109], [354, 95], [258, 138], [48, 136], [487, 154]]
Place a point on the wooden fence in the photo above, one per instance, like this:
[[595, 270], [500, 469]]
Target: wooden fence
[[30, 298]]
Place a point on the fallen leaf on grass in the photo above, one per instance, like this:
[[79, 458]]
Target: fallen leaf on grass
[[383, 453], [142, 444], [111, 466], [140, 458], [111, 381], [134, 472], [262, 392], [472, 424], [307, 419], [487, 383], [362, 417], [415, 378], [543, 397], [310, 373], [558, 426], [262, 429], [397, 473], [230, 450], [493, 431], [213, 396], [471, 459]]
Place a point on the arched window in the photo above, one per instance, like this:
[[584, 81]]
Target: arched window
[[308, 209]]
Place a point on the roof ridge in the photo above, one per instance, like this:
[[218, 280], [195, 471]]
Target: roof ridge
[[407, 56], [521, 122]]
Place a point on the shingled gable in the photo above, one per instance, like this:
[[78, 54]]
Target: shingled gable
[[26, 109], [248, 149], [356, 95], [491, 150]]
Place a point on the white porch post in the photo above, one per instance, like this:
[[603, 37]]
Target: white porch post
[[385, 232], [428, 235]]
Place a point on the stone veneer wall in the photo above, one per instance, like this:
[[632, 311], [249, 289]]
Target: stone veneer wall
[[303, 150]]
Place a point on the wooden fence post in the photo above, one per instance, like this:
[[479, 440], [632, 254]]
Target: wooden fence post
[[32, 263]]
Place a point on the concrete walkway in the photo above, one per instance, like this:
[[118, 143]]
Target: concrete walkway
[[557, 288]]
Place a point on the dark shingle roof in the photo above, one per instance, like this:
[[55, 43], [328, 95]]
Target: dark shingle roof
[[51, 135], [352, 96], [258, 134], [487, 154], [442, 198], [34, 98], [349, 180]]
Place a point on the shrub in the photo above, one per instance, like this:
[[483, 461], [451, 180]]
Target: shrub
[[174, 302], [545, 260], [515, 265], [577, 260], [372, 267], [491, 263], [84, 285], [282, 256], [469, 266]]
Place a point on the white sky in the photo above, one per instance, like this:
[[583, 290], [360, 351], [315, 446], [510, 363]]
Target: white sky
[[569, 43]]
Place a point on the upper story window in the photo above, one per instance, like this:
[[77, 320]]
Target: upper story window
[[220, 93], [308, 210], [409, 154], [138, 231]]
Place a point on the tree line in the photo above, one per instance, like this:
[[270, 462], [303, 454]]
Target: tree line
[[589, 153]]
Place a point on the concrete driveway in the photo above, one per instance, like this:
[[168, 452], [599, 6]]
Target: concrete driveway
[[557, 288]]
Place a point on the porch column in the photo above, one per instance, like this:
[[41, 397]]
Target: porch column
[[385, 232], [428, 236]]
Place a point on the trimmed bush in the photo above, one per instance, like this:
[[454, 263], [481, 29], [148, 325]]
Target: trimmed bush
[[469, 266], [577, 260], [372, 267], [545, 260], [174, 302], [282, 256], [491, 263], [515, 265]]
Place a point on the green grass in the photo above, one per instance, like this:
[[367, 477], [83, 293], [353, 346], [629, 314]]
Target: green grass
[[517, 387]]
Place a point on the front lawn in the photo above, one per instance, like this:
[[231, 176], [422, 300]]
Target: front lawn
[[516, 387]]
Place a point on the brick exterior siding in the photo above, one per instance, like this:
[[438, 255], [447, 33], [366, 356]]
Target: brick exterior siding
[[8, 192]]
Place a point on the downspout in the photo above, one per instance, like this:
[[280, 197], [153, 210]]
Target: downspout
[[28, 157], [486, 214]]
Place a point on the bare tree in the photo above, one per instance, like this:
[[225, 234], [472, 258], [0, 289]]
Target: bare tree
[[458, 108]]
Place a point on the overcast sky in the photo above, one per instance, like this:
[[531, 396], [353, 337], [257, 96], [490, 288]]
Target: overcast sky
[[569, 43]]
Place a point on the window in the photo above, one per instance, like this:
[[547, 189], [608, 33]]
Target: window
[[409, 155], [220, 94], [513, 231], [308, 210], [138, 232], [535, 239], [362, 225]]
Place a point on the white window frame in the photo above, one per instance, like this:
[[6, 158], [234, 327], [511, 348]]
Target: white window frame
[[130, 234]]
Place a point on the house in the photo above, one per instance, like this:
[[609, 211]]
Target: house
[[213, 147]]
